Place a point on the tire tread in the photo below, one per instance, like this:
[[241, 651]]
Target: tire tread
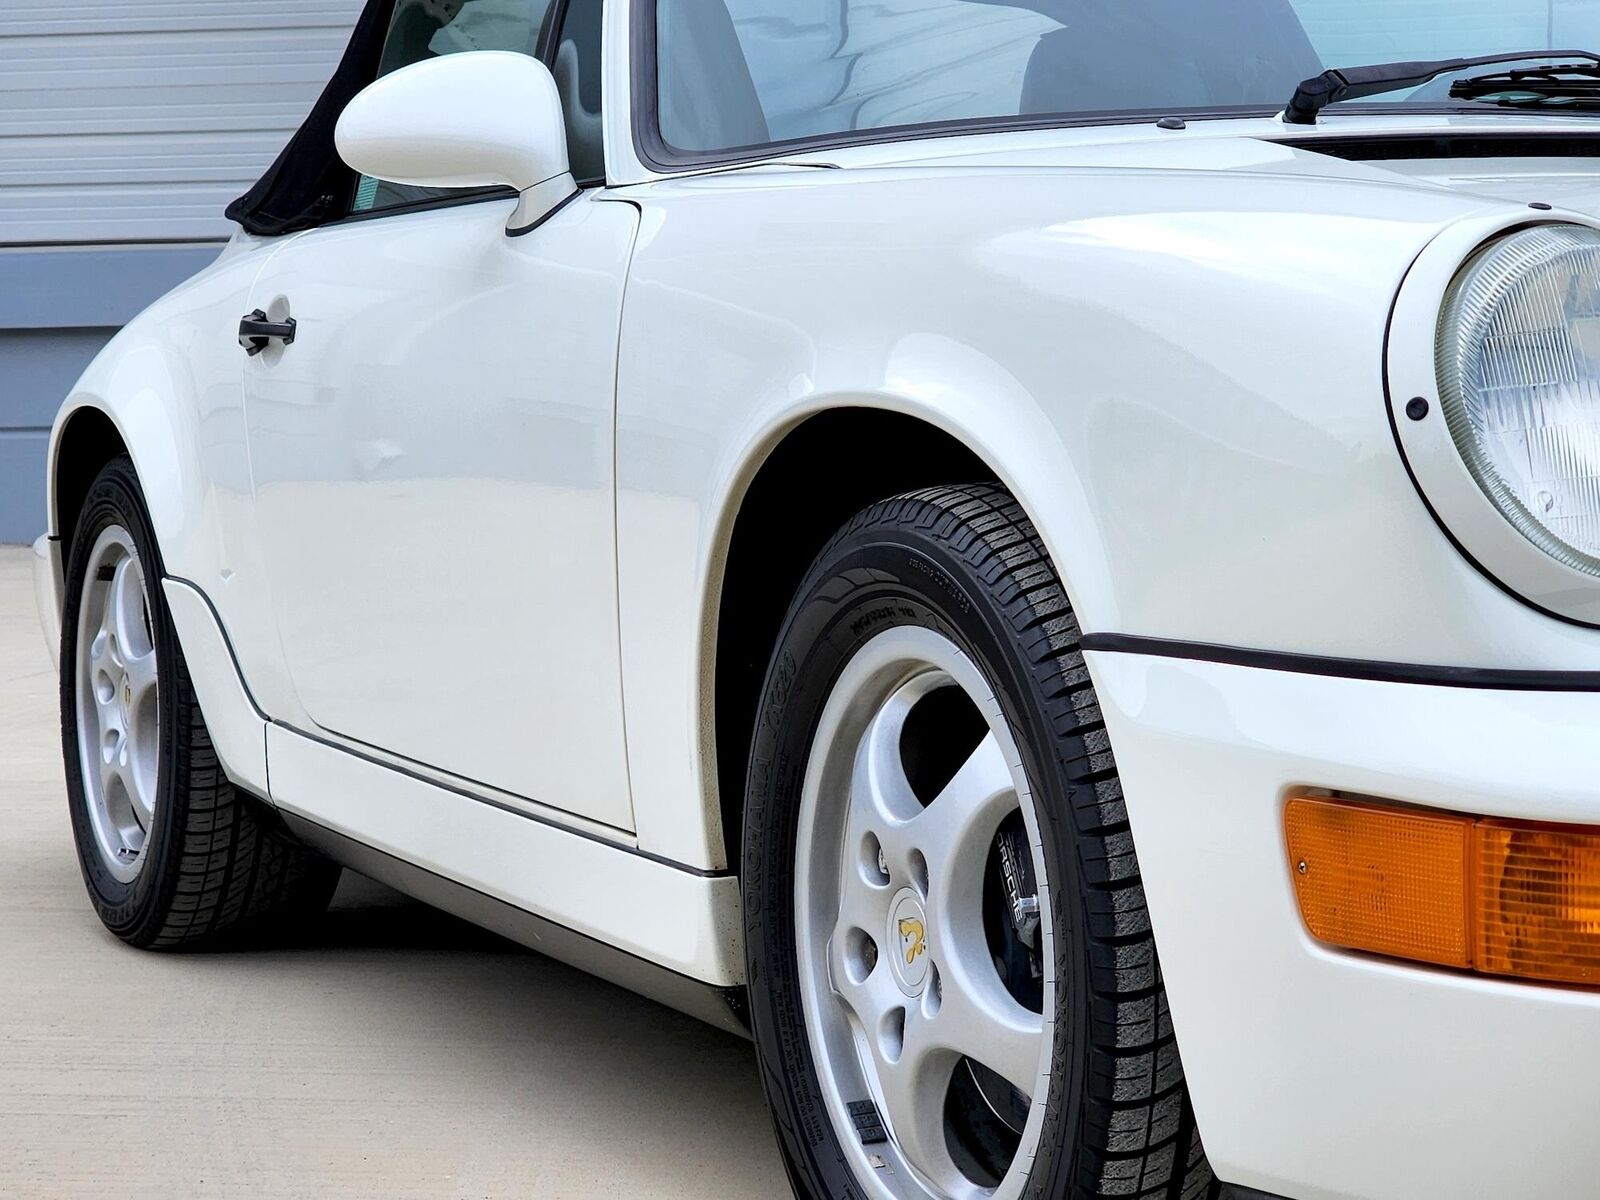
[[237, 871]]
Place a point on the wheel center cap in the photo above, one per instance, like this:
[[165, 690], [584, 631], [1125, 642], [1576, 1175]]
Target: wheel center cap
[[127, 697], [908, 936]]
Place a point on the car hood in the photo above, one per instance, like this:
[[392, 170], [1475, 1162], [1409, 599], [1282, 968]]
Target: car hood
[[1521, 160]]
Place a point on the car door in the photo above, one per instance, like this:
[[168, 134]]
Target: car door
[[432, 472]]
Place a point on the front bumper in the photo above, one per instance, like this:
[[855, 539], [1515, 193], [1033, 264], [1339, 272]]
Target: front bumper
[[47, 592], [1324, 1075]]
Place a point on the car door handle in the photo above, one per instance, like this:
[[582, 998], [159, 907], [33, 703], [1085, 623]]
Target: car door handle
[[256, 333]]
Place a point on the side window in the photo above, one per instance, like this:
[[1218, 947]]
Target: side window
[[423, 29], [577, 72]]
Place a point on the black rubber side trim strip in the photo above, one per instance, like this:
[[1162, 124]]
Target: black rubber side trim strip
[[1488, 679], [344, 746], [724, 1007]]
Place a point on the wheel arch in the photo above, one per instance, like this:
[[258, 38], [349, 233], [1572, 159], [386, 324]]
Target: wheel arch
[[87, 438], [867, 449]]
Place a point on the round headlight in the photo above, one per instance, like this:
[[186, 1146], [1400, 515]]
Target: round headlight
[[1519, 380]]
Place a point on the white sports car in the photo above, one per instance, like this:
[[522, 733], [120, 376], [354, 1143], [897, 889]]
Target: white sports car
[[773, 500]]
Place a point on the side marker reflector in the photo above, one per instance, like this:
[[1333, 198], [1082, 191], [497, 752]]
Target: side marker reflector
[[1382, 879]]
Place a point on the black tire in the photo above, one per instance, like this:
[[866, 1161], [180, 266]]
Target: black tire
[[217, 861], [966, 562]]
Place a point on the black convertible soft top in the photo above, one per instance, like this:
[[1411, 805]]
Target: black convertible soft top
[[307, 184]]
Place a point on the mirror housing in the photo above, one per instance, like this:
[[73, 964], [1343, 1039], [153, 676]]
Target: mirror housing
[[486, 118]]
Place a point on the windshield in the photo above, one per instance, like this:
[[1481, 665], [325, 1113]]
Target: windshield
[[744, 73]]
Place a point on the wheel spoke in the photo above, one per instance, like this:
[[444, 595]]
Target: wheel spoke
[[955, 833], [110, 769], [979, 1019], [122, 802], [913, 1074], [100, 647], [125, 609], [108, 709], [143, 805], [914, 1089], [105, 650], [881, 793]]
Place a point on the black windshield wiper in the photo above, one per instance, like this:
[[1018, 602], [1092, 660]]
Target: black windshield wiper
[[1357, 83], [1570, 85]]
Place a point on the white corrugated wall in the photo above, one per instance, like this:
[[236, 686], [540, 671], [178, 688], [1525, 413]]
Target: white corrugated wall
[[138, 120]]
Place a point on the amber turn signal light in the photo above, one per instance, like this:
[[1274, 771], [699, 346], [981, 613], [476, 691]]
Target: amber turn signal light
[[1509, 898]]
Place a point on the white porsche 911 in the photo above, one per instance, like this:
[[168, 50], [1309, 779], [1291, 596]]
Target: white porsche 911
[[773, 500]]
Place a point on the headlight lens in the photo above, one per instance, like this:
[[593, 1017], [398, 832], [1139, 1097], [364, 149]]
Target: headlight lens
[[1519, 377]]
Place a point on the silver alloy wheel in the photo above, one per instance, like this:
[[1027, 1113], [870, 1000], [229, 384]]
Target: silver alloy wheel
[[898, 980], [119, 715]]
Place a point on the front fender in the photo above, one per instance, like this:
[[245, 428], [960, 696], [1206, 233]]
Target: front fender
[[1179, 373], [170, 384], [148, 393]]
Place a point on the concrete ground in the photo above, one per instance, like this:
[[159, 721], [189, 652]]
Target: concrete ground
[[393, 1052]]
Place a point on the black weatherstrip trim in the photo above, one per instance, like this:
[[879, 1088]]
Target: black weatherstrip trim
[[1489, 679], [525, 230], [345, 747]]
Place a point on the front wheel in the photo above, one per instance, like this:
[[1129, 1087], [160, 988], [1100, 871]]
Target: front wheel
[[172, 853], [954, 986]]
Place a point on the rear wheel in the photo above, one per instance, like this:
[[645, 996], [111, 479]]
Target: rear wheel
[[172, 853], [954, 986]]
